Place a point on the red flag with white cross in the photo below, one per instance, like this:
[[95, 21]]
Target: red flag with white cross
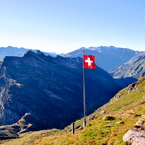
[[89, 61]]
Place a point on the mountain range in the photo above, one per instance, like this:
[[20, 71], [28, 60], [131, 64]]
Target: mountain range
[[50, 90], [108, 58], [14, 51]]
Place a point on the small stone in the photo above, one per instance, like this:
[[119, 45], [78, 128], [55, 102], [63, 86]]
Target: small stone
[[119, 122], [140, 121], [143, 116]]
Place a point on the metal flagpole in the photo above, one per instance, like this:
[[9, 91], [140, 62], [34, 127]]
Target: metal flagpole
[[84, 93]]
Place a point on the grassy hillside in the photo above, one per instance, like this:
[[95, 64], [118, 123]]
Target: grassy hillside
[[106, 126]]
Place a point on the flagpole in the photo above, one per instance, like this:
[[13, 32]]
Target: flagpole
[[84, 94]]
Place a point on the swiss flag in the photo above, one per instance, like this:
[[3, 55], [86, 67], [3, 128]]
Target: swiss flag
[[89, 61]]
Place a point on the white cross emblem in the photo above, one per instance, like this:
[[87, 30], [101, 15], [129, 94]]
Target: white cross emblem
[[89, 61]]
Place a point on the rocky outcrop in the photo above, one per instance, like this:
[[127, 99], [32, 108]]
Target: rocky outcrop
[[13, 131], [136, 136]]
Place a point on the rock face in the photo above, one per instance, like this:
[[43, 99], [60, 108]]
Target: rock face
[[49, 89]]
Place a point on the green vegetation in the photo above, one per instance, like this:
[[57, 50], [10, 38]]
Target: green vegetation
[[106, 126]]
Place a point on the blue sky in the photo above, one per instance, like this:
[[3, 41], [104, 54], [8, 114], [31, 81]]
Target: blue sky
[[66, 25]]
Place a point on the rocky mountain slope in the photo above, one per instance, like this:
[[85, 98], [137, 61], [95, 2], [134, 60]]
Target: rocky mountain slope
[[107, 58], [14, 51], [49, 90], [130, 71], [119, 122]]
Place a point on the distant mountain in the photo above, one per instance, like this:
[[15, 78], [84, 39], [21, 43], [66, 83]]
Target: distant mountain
[[130, 71], [49, 90], [107, 58], [14, 51]]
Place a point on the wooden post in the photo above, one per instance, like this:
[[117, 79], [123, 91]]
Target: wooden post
[[73, 128]]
